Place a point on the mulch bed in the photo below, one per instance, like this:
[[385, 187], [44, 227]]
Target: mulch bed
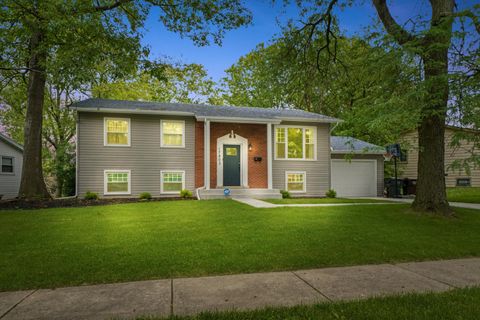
[[74, 202]]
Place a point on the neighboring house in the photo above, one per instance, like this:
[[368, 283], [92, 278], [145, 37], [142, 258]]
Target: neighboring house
[[11, 157], [125, 148], [454, 177]]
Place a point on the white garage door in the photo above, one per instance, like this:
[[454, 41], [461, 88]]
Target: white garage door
[[356, 178]]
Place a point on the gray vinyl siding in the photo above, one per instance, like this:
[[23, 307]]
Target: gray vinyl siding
[[10, 183], [380, 167], [144, 158], [317, 172]]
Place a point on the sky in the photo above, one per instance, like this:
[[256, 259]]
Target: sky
[[264, 26]]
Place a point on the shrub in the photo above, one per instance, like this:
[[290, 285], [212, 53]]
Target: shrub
[[185, 193], [285, 194], [91, 195], [145, 196], [331, 193]]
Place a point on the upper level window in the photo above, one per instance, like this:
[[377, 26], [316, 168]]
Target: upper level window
[[172, 133], [295, 142], [7, 164], [117, 132]]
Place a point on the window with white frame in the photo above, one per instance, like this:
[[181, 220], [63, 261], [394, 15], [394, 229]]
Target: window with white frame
[[172, 133], [117, 182], [295, 181], [7, 164], [172, 181], [117, 132], [296, 143]]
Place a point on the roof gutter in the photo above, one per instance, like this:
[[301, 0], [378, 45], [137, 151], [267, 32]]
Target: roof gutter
[[11, 142], [332, 120], [237, 120], [134, 111], [357, 152]]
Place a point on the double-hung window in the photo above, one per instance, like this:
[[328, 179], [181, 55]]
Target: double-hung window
[[117, 132], [172, 181], [7, 164], [172, 133], [295, 181], [117, 182], [296, 143]]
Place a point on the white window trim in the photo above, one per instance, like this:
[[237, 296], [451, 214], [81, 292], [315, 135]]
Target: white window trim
[[171, 171], [314, 129], [105, 182], [161, 133], [13, 165], [304, 190], [129, 133]]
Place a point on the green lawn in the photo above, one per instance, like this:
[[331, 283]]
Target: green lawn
[[71, 246], [323, 200], [464, 194], [456, 304]]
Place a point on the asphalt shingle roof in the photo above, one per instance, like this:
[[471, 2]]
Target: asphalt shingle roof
[[11, 142], [349, 144], [201, 110]]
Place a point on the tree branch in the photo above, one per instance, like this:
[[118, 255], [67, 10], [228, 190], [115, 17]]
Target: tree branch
[[107, 7], [393, 28]]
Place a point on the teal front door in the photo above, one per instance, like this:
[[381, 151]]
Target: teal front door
[[231, 165]]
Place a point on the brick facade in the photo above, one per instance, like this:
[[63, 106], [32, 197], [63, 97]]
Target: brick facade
[[257, 137]]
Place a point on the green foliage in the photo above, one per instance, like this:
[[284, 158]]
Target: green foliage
[[145, 196], [91, 196], [186, 193], [372, 88], [182, 83], [331, 193], [285, 194]]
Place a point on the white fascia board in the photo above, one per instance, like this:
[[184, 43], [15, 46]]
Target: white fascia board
[[237, 120], [135, 111], [357, 152], [310, 120]]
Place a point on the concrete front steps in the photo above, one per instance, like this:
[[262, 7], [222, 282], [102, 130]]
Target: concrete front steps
[[218, 193]]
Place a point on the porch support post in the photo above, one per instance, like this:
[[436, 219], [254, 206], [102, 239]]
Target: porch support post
[[206, 157], [269, 155]]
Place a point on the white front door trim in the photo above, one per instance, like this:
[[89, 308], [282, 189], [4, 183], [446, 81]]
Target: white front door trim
[[234, 140]]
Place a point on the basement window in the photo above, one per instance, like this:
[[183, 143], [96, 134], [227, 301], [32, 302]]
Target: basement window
[[463, 182]]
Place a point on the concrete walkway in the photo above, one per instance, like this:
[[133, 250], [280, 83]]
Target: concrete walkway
[[256, 203], [242, 292], [263, 204], [453, 204]]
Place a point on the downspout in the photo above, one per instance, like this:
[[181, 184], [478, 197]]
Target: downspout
[[77, 120]]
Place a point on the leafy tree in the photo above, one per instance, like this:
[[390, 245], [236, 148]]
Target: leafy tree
[[361, 88], [69, 39], [182, 83], [429, 39]]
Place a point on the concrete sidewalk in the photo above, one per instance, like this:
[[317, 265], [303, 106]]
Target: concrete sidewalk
[[242, 292]]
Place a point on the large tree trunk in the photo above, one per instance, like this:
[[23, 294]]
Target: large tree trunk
[[32, 185], [431, 192]]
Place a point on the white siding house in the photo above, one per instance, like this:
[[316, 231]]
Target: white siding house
[[11, 158]]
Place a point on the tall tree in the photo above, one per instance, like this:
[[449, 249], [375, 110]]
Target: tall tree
[[430, 38], [79, 35]]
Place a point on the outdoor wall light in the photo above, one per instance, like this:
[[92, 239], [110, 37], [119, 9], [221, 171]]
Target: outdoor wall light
[[249, 147]]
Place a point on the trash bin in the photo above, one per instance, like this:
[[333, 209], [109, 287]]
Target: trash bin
[[411, 187], [390, 187]]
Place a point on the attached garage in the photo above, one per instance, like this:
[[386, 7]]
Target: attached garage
[[356, 168]]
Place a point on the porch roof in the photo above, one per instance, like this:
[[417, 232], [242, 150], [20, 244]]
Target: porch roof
[[201, 111]]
